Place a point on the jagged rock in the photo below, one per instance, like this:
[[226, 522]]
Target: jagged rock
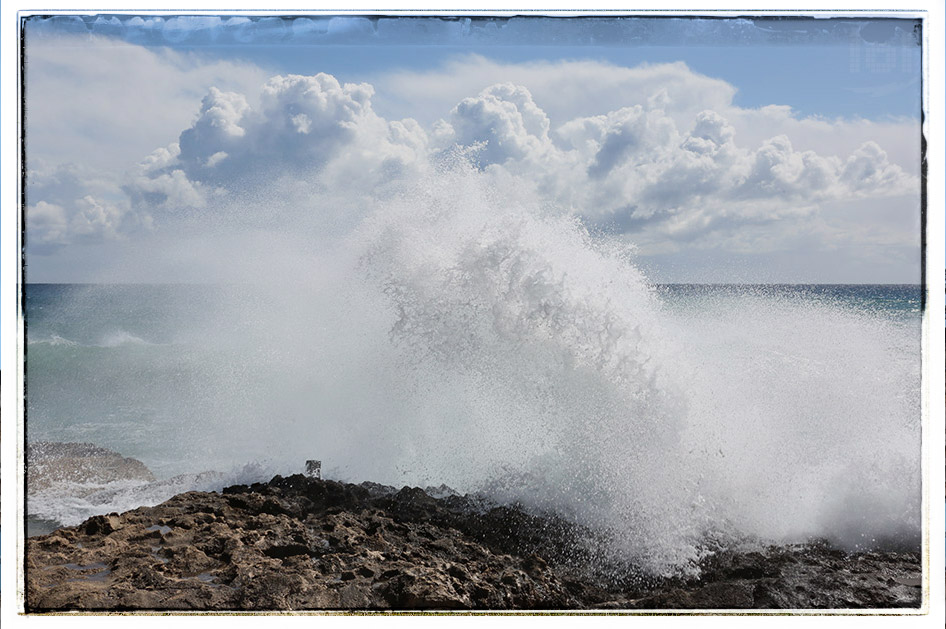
[[299, 543]]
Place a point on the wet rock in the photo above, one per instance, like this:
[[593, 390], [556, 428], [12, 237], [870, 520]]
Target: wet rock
[[297, 543], [50, 463], [102, 524]]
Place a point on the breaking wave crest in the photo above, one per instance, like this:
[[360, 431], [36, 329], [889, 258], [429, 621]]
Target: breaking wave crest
[[464, 333]]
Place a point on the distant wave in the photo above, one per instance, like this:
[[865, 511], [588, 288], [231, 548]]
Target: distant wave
[[121, 337], [116, 338], [53, 339]]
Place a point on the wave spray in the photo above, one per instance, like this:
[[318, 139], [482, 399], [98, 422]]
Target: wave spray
[[459, 331]]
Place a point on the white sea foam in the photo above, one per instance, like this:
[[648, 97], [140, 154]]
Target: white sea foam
[[70, 504]]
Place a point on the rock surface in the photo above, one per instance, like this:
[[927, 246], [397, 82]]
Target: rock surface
[[82, 464], [297, 543]]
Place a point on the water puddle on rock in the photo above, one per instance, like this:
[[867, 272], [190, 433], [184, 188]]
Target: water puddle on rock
[[102, 573]]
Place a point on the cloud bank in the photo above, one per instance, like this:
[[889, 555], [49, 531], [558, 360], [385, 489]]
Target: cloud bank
[[657, 153]]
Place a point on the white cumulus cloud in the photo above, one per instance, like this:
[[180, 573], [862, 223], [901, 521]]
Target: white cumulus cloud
[[657, 152], [638, 168], [304, 126]]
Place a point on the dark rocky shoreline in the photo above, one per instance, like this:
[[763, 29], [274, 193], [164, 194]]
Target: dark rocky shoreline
[[297, 543]]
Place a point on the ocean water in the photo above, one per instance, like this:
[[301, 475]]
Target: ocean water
[[661, 415]]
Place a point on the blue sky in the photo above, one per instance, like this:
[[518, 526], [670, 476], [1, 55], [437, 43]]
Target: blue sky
[[831, 68], [765, 74], [767, 150]]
